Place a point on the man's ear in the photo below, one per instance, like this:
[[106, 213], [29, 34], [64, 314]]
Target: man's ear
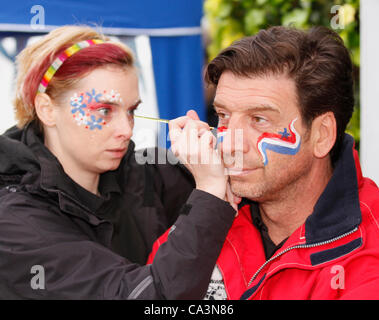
[[324, 133], [45, 109]]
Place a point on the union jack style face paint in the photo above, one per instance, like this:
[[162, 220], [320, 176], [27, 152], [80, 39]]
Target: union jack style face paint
[[283, 142], [221, 132]]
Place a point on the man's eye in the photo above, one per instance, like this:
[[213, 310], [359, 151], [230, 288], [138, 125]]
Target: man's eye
[[259, 120], [223, 116]]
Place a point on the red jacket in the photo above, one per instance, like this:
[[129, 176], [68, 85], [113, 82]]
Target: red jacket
[[333, 255]]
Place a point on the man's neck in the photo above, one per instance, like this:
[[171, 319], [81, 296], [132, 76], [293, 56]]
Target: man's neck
[[284, 215]]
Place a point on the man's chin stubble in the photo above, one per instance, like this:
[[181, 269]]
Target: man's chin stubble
[[244, 190]]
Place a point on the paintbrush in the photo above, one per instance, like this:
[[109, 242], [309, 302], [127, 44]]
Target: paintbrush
[[159, 120]]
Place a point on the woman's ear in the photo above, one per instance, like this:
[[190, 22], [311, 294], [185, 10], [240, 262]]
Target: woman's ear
[[45, 109], [324, 133]]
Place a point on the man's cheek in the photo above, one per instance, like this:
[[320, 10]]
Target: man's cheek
[[285, 142]]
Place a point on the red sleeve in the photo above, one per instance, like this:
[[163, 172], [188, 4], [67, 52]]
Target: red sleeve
[[367, 291]]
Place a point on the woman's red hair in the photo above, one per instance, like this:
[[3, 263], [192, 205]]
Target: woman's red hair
[[71, 71]]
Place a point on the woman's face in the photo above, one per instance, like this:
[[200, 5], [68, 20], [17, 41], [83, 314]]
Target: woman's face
[[95, 119]]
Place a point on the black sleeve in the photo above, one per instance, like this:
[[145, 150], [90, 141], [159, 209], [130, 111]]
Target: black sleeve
[[174, 184], [184, 263], [74, 267]]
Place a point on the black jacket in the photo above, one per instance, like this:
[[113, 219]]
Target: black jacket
[[92, 247]]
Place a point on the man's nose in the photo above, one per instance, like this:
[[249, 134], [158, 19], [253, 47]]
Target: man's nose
[[234, 139], [235, 144]]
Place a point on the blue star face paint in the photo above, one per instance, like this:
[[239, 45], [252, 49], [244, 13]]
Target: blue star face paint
[[284, 142]]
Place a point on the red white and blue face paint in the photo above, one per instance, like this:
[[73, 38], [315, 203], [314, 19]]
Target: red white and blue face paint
[[284, 142], [221, 132], [90, 109]]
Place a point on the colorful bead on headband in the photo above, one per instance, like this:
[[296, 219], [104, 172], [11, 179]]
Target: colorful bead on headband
[[61, 58]]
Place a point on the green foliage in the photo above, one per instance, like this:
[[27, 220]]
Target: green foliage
[[230, 20]]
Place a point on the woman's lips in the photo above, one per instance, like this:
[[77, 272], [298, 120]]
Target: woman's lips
[[117, 153]]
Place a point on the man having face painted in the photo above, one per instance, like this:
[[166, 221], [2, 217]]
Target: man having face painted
[[306, 226]]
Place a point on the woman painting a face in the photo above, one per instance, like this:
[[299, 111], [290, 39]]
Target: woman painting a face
[[90, 127], [74, 201]]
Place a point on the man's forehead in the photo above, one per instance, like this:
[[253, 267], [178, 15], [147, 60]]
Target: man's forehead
[[250, 107], [269, 92]]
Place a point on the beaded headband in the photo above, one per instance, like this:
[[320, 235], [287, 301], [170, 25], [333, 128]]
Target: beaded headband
[[62, 58]]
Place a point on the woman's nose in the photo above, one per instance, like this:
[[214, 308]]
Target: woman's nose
[[123, 126]]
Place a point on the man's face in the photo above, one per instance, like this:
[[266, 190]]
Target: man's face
[[276, 154]]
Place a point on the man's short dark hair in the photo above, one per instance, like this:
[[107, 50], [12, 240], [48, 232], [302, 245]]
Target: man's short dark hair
[[316, 60]]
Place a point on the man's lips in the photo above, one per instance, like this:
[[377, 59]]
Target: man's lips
[[239, 171]]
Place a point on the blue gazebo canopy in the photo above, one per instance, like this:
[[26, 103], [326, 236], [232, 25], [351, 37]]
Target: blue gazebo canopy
[[172, 25]]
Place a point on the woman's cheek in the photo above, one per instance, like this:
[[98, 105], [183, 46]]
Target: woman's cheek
[[84, 109]]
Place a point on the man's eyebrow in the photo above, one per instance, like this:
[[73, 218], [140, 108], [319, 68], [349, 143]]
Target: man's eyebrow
[[262, 107], [254, 107]]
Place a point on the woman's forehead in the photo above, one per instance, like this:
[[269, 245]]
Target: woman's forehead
[[109, 84]]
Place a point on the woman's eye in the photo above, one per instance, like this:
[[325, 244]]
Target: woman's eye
[[130, 112], [104, 111]]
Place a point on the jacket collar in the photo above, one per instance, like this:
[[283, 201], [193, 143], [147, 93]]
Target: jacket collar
[[337, 210], [16, 158], [54, 179]]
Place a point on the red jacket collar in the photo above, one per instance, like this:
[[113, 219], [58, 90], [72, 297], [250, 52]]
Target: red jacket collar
[[337, 211]]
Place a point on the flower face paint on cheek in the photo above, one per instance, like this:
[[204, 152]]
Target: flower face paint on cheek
[[90, 108], [284, 142]]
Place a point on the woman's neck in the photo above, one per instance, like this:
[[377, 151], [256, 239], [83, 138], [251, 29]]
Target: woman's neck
[[86, 179]]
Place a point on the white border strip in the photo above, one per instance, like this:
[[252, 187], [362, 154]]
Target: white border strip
[[153, 32], [369, 150]]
